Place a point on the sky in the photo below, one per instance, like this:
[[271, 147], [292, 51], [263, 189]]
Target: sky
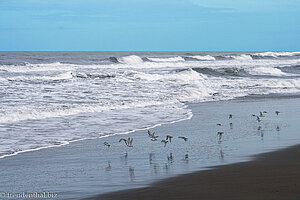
[[149, 25]]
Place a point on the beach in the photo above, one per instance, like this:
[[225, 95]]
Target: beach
[[272, 175], [88, 168]]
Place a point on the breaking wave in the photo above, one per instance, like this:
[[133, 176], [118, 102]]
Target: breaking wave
[[170, 59]]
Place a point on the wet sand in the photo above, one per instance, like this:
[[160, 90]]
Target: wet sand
[[274, 175]]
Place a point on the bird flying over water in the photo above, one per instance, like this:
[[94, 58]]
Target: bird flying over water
[[107, 144], [169, 137], [127, 142], [220, 133], [184, 138], [165, 141]]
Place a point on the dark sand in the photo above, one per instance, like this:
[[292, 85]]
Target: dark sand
[[274, 175]]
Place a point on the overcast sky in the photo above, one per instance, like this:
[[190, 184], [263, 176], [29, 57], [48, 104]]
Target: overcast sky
[[174, 25]]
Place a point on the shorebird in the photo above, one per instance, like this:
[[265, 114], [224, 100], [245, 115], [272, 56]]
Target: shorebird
[[277, 128], [265, 112], [259, 128], [230, 116], [277, 113], [184, 138], [169, 137], [165, 141], [186, 156], [170, 157], [219, 124], [106, 144], [258, 119], [152, 136], [128, 142], [220, 133], [253, 115], [260, 114]]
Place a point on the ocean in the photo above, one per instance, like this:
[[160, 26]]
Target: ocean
[[50, 99]]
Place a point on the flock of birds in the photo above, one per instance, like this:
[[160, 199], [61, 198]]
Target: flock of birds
[[128, 142]]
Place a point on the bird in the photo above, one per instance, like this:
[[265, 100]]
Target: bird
[[277, 128], [169, 137], [260, 114], [128, 142], [170, 157], [219, 124], [184, 138], [265, 112], [152, 136], [220, 133], [253, 115], [277, 113], [107, 144], [259, 128], [230, 116], [258, 119], [165, 141]]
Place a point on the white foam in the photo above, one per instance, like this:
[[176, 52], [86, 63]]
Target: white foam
[[62, 76], [266, 71], [170, 59], [133, 59], [240, 57], [277, 54], [206, 57], [37, 114]]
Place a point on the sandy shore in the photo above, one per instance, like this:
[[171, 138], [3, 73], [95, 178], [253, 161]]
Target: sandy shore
[[274, 175]]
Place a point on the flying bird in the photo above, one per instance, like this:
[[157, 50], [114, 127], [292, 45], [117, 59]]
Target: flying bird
[[169, 137], [184, 138], [107, 144], [165, 141], [220, 133], [127, 142]]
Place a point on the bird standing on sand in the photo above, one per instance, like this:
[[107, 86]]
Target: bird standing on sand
[[184, 138], [107, 144], [230, 116], [277, 113], [165, 141], [169, 137]]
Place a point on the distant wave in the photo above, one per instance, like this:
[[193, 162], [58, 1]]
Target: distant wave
[[266, 71], [170, 59], [133, 59], [277, 54], [227, 71], [239, 57], [207, 57]]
